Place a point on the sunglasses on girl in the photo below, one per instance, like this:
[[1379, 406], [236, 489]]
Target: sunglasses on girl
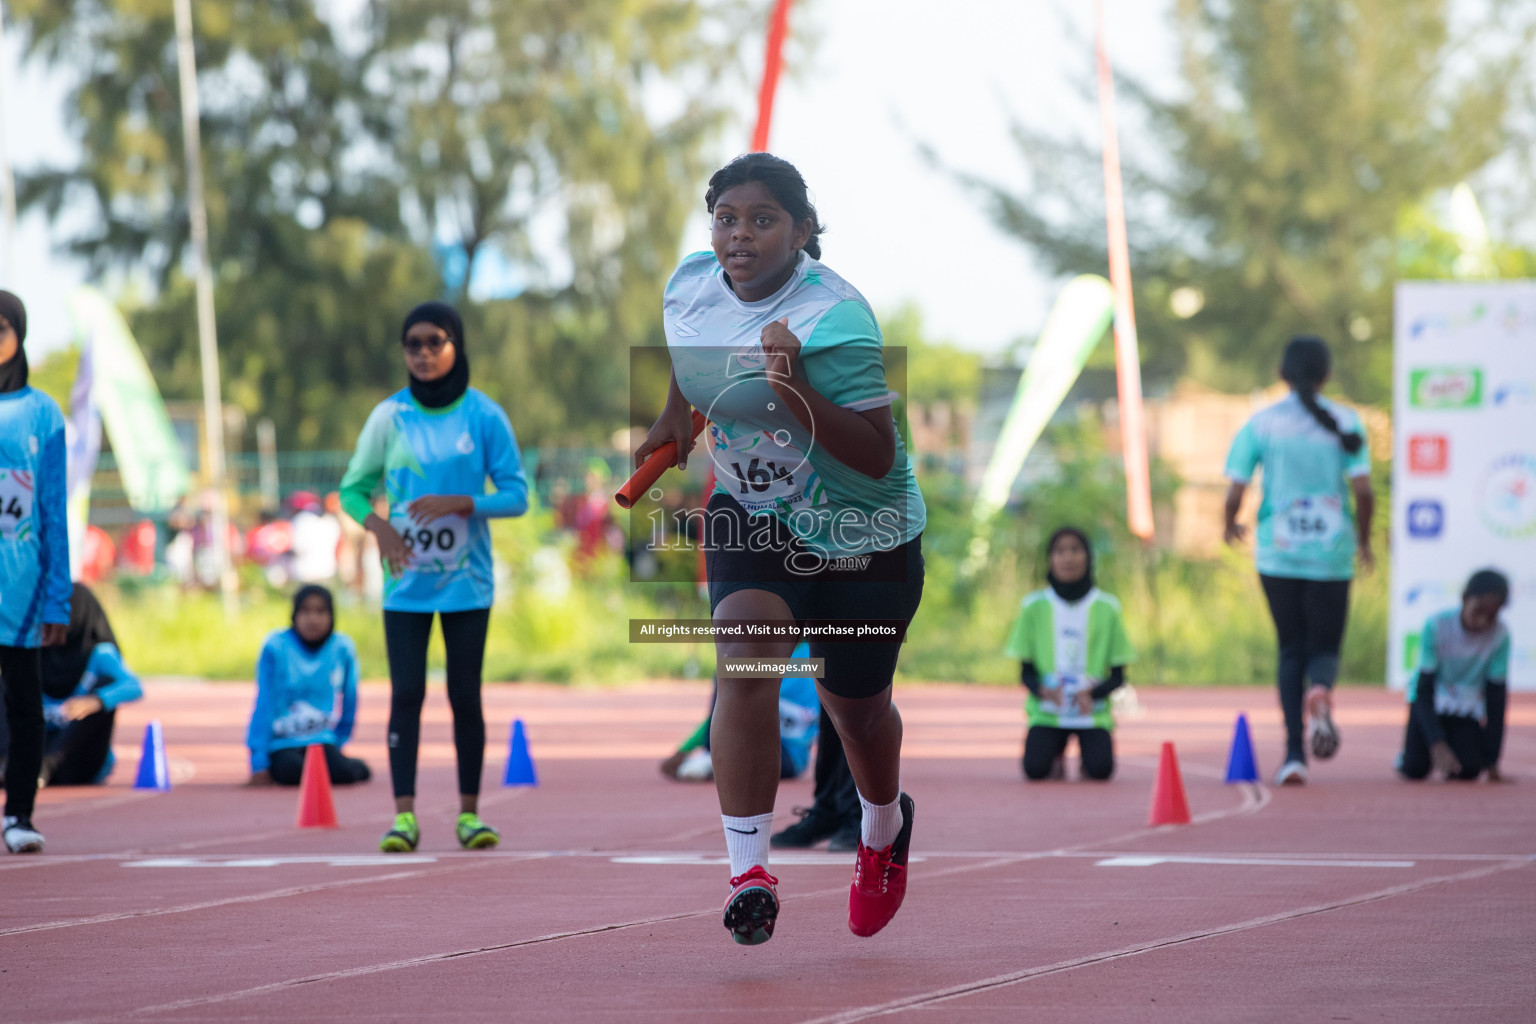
[[434, 345]]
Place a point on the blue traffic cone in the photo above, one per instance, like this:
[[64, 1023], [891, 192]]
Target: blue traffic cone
[[153, 773], [1242, 766], [520, 770]]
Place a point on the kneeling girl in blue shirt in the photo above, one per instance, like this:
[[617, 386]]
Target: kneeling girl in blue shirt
[[306, 693]]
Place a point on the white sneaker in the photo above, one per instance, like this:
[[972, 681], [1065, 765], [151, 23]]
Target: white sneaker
[[1292, 773], [20, 836], [698, 766]]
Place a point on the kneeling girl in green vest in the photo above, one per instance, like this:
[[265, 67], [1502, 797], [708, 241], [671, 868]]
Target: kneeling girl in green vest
[[1072, 645]]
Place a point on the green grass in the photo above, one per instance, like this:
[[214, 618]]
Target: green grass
[[1192, 622]]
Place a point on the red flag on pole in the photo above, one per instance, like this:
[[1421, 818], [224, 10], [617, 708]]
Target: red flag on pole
[[773, 63], [1133, 434]]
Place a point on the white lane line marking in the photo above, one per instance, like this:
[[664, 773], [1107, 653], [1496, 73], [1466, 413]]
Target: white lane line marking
[[340, 861], [1137, 860], [1254, 799], [432, 958], [927, 999], [249, 837], [356, 972]]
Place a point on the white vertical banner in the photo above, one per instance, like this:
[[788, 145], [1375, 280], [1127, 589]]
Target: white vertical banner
[[1464, 464]]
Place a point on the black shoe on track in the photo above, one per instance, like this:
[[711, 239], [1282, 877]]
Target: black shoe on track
[[816, 823]]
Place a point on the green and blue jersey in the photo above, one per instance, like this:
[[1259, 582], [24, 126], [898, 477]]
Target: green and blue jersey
[[764, 457], [416, 451], [34, 540], [302, 696], [1306, 522], [107, 678], [1073, 645], [1463, 663]]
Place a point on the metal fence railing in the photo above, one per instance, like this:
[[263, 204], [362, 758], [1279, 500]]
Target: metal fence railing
[[320, 472]]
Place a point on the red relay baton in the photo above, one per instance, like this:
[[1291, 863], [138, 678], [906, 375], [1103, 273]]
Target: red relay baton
[[655, 464]]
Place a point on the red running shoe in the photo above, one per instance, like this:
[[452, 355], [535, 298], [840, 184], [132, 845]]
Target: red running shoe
[[752, 907], [880, 880]]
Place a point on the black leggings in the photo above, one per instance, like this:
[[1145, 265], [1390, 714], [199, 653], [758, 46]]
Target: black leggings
[[75, 754], [1465, 735], [405, 636], [1309, 621], [22, 670], [1043, 744], [287, 766]]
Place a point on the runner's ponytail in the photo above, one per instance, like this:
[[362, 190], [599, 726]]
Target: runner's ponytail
[[1304, 367]]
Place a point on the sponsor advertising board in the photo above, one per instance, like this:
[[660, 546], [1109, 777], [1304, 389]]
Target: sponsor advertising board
[[1464, 469]]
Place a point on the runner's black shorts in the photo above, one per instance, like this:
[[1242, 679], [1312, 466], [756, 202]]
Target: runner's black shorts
[[745, 552]]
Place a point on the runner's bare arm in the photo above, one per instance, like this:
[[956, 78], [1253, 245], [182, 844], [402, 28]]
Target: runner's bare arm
[[1234, 531], [863, 441], [429, 507], [675, 424]]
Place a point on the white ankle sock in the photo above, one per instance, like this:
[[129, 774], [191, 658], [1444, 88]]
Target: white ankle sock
[[880, 823], [746, 840]]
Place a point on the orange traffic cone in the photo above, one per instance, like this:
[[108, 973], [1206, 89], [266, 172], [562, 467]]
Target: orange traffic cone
[[316, 809], [1169, 807]]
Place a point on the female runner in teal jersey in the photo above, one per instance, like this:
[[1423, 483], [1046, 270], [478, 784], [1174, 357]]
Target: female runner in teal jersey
[[34, 565], [816, 515], [1314, 455], [432, 445]]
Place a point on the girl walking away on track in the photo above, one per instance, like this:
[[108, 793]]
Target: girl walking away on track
[[34, 563], [815, 515], [1314, 454], [1073, 652], [84, 682], [1456, 700], [306, 693], [433, 444]]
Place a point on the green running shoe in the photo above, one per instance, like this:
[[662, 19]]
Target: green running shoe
[[475, 834], [403, 837]]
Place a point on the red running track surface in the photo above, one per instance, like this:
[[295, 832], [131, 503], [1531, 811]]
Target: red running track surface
[[1359, 897]]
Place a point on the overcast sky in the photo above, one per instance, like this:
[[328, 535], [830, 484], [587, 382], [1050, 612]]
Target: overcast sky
[[949, 75]]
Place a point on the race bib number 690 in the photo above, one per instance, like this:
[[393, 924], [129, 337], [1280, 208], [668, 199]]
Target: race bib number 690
[[436, 546]]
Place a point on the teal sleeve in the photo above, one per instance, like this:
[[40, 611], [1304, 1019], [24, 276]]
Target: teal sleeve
[[259, 736], [1498, 665], [842, 357], [52, 521], [1244, 457], [123, 686], [366, 467], [504, 465], [348, 696], [1429, 658]]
